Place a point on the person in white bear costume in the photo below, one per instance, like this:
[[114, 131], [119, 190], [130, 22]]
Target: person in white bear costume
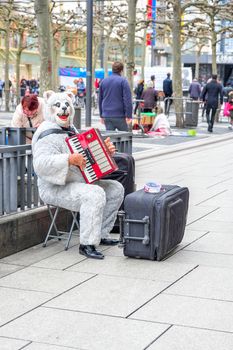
[[61, 183]]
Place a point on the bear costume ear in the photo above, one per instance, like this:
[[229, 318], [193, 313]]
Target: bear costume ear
[[47, 94], [70, 94]]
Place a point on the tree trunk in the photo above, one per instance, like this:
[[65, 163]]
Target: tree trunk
[[197, 65], [95, 57], [213, 48], [18, 60], [7, 58], [143, 53], [56, 56], [123, 55], [45, 44], [132, 4], [177, 73], [106, 51]]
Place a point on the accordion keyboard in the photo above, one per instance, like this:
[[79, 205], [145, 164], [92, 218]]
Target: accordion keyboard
[[88, 171], [96, 156]]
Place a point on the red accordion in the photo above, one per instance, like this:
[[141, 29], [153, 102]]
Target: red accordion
[[98, 159]]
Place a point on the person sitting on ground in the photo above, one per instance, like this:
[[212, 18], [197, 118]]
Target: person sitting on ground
[[161, 124], [29, 114], [61, 183]]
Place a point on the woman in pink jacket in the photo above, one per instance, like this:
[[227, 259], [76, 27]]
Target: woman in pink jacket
[[29, 114]]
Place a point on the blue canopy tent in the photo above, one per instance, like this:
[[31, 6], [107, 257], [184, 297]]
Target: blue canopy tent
[[81, 72]]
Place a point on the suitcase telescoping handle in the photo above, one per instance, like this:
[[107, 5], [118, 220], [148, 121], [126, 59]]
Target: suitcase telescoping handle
[[124, 229], [121, 216]]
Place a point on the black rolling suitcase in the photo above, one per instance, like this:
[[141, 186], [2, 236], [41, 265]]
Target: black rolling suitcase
[[125, 173], [154, 223]]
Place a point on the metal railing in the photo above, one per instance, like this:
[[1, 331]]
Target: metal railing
[[18, 182], [17, 136]]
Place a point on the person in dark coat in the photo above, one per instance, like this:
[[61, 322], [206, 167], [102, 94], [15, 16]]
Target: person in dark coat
[[215, 93], [138, 94], [152, 78], [115, 100], [150, 98], [168, 91], [195, 90], [23, 87]]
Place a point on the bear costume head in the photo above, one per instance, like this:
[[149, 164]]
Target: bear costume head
[[59, 108]]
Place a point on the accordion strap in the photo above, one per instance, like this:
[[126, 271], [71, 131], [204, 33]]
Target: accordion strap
[[54, 131]]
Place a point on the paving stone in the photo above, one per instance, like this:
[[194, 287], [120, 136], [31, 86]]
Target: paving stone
[[184, 338], [213, 242], [16, 302], [211, 225], [196, 213], [220, 202], [188, 311], [6, 269], [205, 282], [38, 346], [109, 295], [114, 251], [201, 258], [44, 280], [191, 236], [222, 214], [134, 268], [61, 260], [12, 344], [34, 254], [83, 330], [206, 196]]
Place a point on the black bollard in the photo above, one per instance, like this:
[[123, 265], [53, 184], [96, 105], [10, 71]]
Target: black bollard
[[77, 117]]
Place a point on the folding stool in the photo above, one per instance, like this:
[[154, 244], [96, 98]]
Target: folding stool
[[66, 235]]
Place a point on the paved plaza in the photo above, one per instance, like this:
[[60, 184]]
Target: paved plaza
[[53, 299]]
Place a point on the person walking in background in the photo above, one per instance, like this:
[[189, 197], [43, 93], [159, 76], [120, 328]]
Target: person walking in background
[[150, 98], [23, 87], [168, 91], [152, 78], [138, 94], [195, 90], [115, 100], [215, 94], [230, 102], [29, 114], [81, 88], [34, 86]]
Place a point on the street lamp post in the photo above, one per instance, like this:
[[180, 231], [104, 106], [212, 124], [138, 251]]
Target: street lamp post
[[89, 61]]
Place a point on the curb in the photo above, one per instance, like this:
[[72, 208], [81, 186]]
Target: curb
[[182, 147]]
